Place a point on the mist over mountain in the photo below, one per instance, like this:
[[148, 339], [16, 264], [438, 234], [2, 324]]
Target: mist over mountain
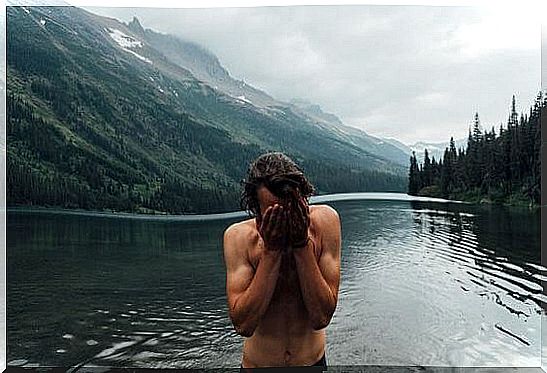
[[205, 66], [107, 115], [435, 149]]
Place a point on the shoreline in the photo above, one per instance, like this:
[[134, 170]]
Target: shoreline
[[387, 196], [122, 214], [485, 201]]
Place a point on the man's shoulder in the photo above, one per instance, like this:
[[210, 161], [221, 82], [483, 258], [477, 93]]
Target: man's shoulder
[[324, 221], [242, 231], [325, 213], [242, 226]]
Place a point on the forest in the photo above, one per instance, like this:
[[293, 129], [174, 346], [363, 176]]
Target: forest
[[48, 168], [500, 168], [90, 126]]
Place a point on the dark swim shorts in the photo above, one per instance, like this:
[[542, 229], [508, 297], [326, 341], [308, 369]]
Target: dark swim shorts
[[320, 363]]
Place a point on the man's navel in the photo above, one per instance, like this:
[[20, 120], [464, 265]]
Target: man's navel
[[287, 356]]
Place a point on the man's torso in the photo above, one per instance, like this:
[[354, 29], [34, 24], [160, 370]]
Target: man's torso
[[284, 335]]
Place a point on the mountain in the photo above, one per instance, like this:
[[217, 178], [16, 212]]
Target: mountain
[[352, 135], [107, 115], [435, 149], [403, 147], [205, 66], [315, 111]]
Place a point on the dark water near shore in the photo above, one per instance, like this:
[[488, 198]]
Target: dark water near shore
[[423, 283]]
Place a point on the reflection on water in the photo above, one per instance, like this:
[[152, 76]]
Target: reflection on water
[[422, 284]]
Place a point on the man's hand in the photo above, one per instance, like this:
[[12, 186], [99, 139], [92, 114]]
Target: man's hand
[[299, 213], [273, 228]]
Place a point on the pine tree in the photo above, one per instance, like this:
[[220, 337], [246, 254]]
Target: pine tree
[[513, 115], [427, 176], [447, 173], [497, 166], [413, 177]]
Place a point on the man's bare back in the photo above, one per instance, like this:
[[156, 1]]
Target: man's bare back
[[286, 334]]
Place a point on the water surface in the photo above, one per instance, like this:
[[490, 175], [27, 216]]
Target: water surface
[[423, 283]]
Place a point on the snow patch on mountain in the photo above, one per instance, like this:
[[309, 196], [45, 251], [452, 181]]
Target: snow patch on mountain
[[244, 99], [126, 42], [123, 40], [435, 149], [142, 58], [420, 147]]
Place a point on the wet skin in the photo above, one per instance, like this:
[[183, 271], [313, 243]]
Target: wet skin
[[280, 297]]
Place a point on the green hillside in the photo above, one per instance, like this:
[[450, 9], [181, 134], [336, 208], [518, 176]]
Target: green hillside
[[95, 125]]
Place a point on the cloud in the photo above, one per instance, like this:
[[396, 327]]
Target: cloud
[[544, 57], [505, 28], [407, 72]]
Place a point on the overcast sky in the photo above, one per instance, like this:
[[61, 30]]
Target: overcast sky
[[414, 73]]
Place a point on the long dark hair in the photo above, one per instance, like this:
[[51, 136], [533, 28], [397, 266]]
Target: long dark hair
[[277, 172]]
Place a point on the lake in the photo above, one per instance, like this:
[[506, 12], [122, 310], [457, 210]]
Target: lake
[[423, 282]]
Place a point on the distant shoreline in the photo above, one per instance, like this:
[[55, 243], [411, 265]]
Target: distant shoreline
[[481, 199], [388, 196]]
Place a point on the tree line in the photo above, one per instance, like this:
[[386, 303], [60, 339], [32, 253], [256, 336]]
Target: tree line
[[503, 167], [88, 129], [45, 168]]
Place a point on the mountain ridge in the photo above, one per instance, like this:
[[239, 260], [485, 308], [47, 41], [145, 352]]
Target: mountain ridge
[[194, 57], [99, 118]]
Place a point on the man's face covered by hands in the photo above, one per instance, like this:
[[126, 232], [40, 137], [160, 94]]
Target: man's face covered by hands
[[290, 220]]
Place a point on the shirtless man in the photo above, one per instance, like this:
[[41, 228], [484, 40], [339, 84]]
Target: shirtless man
[[283, 267]]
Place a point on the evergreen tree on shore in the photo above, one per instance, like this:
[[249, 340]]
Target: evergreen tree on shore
[[414, 183], [503, 168]]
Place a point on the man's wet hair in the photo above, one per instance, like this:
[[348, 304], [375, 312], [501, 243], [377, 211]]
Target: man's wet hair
[[277, 172]]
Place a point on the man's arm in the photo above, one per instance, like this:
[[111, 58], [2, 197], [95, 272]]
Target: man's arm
[[248, 293], [319, 281]]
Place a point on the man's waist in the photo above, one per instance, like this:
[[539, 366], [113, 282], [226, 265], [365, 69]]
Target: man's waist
[[284, 350], [285, 360]]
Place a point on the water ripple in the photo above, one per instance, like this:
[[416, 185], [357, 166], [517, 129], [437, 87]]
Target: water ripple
[[422, 284]]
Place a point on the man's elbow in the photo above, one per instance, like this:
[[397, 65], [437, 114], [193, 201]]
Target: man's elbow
[[244, 330], [242, 326], [321, 323]]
